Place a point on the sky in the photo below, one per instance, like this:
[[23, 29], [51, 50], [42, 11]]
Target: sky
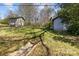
[[5, 7]]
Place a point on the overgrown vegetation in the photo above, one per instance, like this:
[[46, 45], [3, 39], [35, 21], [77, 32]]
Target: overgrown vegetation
[[57, 44], [4, 21], [70, 15], [44, 40]]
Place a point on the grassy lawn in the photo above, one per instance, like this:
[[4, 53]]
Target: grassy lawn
[[57, 44], [10, 39], [58, 47]]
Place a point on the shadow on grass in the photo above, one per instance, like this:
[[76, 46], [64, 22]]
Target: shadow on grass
[[34, 36], [66, 40], [8, 46], [73, 42]]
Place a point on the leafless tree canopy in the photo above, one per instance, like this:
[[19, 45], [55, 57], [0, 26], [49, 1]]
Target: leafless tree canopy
[[33, 15]]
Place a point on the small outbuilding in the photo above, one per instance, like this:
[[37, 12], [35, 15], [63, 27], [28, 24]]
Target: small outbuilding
[[57, 24], [16, 21]]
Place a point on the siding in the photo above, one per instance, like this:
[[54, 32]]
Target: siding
[[58, 25]]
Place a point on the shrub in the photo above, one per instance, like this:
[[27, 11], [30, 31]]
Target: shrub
[[74, 29], [4, 21]]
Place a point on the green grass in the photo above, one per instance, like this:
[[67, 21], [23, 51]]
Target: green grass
[[9, 46], [58, 47], [8, 37], [57, 43]]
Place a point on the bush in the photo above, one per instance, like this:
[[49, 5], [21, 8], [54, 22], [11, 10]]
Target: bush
[[4, 21], [74, 29]]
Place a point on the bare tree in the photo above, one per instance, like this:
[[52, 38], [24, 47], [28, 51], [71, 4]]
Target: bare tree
[[11, 14], [33, 15], [45, 14], [28, 11]]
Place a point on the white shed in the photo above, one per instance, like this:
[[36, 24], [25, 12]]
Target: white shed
[[58, 25], [16, 21]]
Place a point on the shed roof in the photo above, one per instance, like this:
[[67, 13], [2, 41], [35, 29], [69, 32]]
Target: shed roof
[[16, 18], [52, 19]]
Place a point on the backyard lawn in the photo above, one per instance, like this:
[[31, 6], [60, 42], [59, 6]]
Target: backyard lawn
[[12, 39]]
